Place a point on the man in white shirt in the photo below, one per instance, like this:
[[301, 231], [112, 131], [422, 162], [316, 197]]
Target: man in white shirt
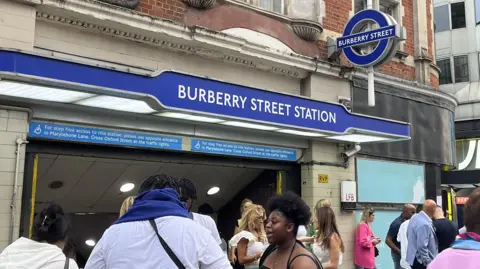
[[132, 241], [189, 195], [403, 239]]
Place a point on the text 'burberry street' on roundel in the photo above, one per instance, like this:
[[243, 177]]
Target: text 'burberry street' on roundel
[[370, 38]]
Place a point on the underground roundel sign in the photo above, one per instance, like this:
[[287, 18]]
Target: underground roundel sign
[[370, 38]]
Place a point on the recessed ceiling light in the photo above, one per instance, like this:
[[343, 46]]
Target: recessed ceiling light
[[184, 116], [127, 187], [80, 214], [55, 185], [90, 242], [213, 190]]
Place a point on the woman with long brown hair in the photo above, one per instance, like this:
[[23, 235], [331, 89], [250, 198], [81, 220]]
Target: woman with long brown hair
[[251, 241], [328, 244]]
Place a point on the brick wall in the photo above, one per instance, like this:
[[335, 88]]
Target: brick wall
[[434, 81], [13, 125], [408, 23], [398, 70], [169, 9], [429, 29], [337, 14]]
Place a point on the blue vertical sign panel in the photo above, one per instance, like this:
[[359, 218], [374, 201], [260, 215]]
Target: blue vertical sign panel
[[243, 150], [103, 136]]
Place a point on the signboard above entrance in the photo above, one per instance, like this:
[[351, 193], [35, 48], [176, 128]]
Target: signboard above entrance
[[193, 96]]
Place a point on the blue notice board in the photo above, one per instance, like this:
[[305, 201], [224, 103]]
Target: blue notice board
[[103, 136], [243, 150]]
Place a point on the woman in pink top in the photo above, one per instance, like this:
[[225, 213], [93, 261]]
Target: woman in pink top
[[465, 252], [365, 241]]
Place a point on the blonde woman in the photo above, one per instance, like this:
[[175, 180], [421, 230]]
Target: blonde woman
[[365, 241], [302, 234], [232, 254], [328, 245], [127, 203], [251, 241]]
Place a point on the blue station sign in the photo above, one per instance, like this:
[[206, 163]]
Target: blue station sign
[[365, 28], [174, 91]]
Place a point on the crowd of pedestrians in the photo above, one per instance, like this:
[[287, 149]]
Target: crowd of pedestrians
[[157, 229]]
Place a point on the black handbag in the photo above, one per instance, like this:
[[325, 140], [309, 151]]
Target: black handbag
[[377, 252]]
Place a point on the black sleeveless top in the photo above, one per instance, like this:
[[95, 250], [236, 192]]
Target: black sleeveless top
[[271, 249]]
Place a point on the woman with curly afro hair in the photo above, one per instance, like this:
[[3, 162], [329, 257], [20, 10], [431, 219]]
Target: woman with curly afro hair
[[286, 213]]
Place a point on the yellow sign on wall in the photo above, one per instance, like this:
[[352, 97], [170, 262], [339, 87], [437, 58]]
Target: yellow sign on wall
[[322, 178]]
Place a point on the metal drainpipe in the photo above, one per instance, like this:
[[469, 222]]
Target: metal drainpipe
[[19, 142]]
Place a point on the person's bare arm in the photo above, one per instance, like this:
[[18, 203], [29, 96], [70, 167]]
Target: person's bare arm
[[306, 239], [242, 247], [392, 245], [304, 262]]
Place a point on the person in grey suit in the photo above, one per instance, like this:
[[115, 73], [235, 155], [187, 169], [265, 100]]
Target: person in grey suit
[[422, 242]]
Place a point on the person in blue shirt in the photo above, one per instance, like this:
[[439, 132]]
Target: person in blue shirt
[[422, 242], [391, 240]]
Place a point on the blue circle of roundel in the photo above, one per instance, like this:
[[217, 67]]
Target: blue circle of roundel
[[378, 52]]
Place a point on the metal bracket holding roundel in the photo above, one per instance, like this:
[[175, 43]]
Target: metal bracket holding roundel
[[387, 34]]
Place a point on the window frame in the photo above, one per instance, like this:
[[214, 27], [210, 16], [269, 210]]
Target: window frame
[[451, 15], [450, 69], [256, 3], [449, 18], [465, 56]]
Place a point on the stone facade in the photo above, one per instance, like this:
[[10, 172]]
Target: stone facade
[[13, 125], [332, 16]]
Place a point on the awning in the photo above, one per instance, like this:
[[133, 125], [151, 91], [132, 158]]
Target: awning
[[188, 97]]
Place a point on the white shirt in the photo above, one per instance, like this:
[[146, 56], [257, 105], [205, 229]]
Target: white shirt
[[135, 245], [209, 224], [28, 254], [302, 231], [403, 239], [324, 254], [253, 246]]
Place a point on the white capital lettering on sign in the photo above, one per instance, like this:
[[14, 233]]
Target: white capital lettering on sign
[[470, 153]]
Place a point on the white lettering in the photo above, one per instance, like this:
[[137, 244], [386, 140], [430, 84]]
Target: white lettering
[[181, 92]]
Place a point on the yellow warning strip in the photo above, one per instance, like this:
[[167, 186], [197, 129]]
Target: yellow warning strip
[[279, 182], [34, 193], [450, 213]]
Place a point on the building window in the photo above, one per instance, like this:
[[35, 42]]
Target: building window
[[271, 5], [477, 11], [460, 64], [445, 71], [389, 7], [441, 18], [458, 15]]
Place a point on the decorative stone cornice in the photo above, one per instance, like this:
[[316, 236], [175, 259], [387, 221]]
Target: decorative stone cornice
[[127, 24], [307, 30], [201, 4]]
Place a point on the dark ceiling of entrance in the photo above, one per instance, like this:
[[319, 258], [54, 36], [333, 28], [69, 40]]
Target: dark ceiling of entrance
[[92, 185]]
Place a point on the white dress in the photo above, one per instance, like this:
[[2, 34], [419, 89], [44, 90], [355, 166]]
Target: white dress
[[253, 246], [324, 254]]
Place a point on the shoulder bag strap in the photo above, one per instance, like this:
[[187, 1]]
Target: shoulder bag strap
[[165, 246], [67, 263]]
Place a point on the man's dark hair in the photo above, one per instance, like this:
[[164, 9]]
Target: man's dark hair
[[471, 212], [161, 181], [206, 209], [188, 190], [292, 207], [51, 225]]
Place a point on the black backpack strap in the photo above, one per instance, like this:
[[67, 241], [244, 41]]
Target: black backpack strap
[[314, 259], [67, 263], [165, 246]]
